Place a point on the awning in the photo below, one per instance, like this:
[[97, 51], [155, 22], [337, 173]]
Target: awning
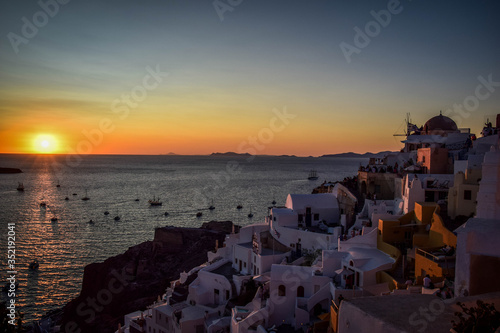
[[344, 271]]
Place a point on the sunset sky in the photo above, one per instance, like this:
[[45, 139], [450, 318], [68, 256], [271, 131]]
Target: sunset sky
[[84, 79]]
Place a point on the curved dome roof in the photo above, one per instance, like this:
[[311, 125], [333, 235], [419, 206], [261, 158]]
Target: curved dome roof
[[440, 124]]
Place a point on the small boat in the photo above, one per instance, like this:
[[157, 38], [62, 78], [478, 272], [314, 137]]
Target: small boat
[[85, 198], [53, 219], [274, 202], [117, 218], [58, 185], [90, 222], [137, 199], [166, 213], [313, 175], [67, 198], [74, 194], [199, 214], [34, 265], [106, 213], [155, 202], [250, 215], [20, 187], [212, 207], [43, 204], [239, 207]]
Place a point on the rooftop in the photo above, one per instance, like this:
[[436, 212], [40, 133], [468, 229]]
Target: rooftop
[[396, 310], [368, 259], [319, 200], [486, 226], [225, 270], [264, 251]]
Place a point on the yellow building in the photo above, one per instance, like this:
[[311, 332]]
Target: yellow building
[[421, 234], [462, 196]]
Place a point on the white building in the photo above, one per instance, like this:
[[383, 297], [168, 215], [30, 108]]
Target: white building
[[308, 221], [425, 188], [478, 254]]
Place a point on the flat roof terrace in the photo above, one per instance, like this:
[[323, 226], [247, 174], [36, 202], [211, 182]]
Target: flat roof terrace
[[264, 251]]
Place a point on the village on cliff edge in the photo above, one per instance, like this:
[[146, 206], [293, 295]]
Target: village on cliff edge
[[425, 238]]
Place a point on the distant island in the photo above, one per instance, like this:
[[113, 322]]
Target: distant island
[[365, 155], [230, 153], [10, 170]]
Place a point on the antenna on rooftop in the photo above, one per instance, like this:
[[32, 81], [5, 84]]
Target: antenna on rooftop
[[408, 126]]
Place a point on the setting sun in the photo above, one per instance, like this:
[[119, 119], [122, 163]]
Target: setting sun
[[45, 144]]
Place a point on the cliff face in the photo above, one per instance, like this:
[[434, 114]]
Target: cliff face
[[134, 279]]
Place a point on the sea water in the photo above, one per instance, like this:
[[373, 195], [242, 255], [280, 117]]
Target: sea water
[[185, 185]]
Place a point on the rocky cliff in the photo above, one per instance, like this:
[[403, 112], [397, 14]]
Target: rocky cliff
[[134, 279]]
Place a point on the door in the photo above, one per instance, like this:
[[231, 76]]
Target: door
[[299, 249], [308, 216]]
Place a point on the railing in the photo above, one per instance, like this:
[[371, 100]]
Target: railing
[[323, 292], [433, 257], [136, 325], [334, 317]]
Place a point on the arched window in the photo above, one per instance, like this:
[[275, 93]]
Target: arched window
[[281, 290], [300, 291]]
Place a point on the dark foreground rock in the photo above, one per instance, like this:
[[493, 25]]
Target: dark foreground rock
[[133, 280]]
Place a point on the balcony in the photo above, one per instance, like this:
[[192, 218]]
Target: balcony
[[438, 256]]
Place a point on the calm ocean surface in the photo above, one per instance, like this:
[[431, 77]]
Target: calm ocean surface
[[185, 185]]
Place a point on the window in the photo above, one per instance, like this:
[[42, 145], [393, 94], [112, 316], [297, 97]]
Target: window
[[254, 258], [281, 290], [423, 158], [300, 291], [227, 294], [316, 217], [245, 264], [467, 195], [301, 217]]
